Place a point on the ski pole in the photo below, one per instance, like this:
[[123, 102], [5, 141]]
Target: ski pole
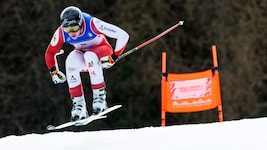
[[149, 41], [58, 53]]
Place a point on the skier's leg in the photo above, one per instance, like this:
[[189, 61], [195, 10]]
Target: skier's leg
[[95, 69], [97, 81], [74, 64]]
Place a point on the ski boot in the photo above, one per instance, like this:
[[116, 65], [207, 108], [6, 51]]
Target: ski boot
[[79, 110], [99, 101]]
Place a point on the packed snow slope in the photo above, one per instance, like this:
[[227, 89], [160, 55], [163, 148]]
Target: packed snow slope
[[247, 134]]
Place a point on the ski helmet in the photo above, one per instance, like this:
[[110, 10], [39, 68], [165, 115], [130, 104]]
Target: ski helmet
[[71, 16]]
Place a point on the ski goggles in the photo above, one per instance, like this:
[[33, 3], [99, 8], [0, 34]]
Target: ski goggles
[[69, 29]]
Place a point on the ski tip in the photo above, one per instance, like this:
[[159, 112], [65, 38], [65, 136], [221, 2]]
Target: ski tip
[[102, 117], [118, 106], [51, 127]]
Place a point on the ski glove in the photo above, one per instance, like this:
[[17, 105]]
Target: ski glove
[[57, 76], [108, 61]]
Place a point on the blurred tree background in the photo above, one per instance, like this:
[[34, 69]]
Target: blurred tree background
[[29, 101]]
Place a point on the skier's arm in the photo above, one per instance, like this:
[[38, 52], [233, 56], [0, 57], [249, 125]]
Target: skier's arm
[[50, 54], [111, 31], [53, 47]]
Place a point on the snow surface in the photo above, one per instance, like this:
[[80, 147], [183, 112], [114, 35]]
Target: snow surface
[[246, 134]]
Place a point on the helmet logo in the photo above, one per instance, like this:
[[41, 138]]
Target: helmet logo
[[69, 22]]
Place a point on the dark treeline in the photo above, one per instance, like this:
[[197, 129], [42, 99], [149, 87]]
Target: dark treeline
[[29, 101]]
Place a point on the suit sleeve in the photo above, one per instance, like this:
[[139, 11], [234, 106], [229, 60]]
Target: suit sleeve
[[53, 47], [112, 31]]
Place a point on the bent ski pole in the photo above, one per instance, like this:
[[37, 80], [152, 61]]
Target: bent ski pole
[[58, 53], [149, 41]]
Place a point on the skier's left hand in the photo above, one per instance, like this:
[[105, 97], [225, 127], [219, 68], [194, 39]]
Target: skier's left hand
[[108, 61]]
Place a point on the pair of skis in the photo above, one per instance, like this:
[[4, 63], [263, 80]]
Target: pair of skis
[[85, 121]]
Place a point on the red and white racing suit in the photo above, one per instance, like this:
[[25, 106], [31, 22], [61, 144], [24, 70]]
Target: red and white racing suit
[[90, 46]]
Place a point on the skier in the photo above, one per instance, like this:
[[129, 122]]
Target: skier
[[92, 52]]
